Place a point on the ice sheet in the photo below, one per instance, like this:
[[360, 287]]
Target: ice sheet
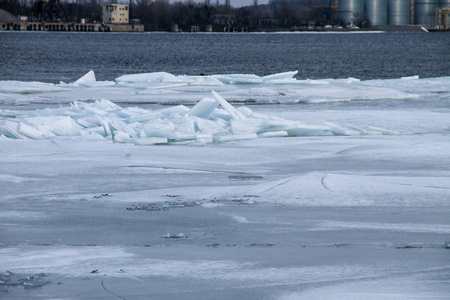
[[21, 87], [356, 207]]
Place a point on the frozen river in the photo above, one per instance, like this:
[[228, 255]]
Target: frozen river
[[151, 186]]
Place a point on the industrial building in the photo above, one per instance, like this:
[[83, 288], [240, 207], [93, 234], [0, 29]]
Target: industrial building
[[48, 15], [115, 13], [426, 13]]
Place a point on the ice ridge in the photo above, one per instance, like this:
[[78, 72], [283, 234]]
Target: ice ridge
[[211, 120]]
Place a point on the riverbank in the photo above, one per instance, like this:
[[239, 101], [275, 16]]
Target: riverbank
[[75, 27]]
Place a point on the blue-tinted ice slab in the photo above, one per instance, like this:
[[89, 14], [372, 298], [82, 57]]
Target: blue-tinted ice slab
[[204, 108], [239, 78], [201, 80], [228, 107], [89, 77], [157, 77]]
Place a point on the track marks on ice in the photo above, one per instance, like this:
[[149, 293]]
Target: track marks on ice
[[402, 227], [323, 182], [332, 189], [120, 263]]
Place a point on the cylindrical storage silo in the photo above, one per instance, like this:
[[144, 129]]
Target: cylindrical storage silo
[[376, 11], [425, 12], [351, 11], [444, 4], [399, 12]]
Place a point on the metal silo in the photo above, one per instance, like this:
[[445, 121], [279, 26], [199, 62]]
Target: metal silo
[[376, 11], [444, 4], [351, 10], [425, 12], [399, 12], [442, 20]]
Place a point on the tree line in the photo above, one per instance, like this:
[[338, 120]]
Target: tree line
[[161, 15]]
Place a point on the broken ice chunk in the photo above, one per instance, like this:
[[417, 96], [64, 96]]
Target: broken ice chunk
[[228, 107], [210, 126], [204, 108], [156, 77], [105, 125], [245, 111], [416, 77], [175, 236], [179, 109], [158, 127], [238, 78], [147, 141], [247, 126], [201, 80], [30, 132], [87, 78], [121, 136], [280, 77], [307, 130], [11, 129], [273, 134], [204, 139], [235, 137], [35, 281], [64, 126]]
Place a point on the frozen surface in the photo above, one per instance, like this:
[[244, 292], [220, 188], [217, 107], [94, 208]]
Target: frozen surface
[[210, 120], [167, 88], [116, 198]]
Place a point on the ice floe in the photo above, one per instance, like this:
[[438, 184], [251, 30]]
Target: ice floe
[[212, 118], [21, 87], [163, 87]]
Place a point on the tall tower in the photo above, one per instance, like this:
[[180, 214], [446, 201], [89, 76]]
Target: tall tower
[[48, 10], [255, 13], [334, 6]]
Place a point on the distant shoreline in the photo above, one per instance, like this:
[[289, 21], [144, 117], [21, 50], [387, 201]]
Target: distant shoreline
[[98, 27]]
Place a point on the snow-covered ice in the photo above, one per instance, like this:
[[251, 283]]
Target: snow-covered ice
[[244, 187]]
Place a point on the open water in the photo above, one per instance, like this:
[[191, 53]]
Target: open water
[[51, 56]]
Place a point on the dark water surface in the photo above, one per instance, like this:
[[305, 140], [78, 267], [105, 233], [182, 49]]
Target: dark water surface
[[55, 56]]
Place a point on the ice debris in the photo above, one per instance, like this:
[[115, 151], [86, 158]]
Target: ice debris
[[11, 279], [175, 236], [210, 120], [163, 87]]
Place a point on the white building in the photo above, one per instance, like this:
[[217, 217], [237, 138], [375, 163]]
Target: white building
[[116, 13]]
